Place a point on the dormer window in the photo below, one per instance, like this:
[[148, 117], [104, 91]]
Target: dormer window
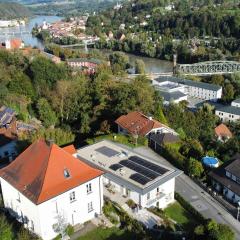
[[66, 173]]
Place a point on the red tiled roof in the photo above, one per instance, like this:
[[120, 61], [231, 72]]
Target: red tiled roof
[[38, 173], [70, 149], [223, 131], [138, 123]]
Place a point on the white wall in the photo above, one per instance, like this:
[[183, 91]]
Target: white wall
[[226, 117], [43, 216], [167, 189], [235, 104]]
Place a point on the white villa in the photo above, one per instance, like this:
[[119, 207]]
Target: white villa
[[45, 184], [146, 182]]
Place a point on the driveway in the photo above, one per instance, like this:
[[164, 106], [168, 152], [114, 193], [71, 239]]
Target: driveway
[[195, 195]]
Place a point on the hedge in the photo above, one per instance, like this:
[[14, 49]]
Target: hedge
[[190, 208]]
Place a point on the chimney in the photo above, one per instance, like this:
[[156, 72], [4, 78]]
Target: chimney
[[50, 142]]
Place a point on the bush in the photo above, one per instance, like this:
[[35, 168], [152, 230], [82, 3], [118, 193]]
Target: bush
[[70, 230]]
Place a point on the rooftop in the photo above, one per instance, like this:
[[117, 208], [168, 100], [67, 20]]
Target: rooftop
[[44, 171], [138, 123], [122, 163], [171, 96], [6, 116], [91, 60], [164, 138], [236, 100], [208, 86], [223, 130], [229, 109]]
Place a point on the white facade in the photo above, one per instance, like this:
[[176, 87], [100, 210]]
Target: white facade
[[226, 116], [235, 103], [190, 88], [160, 197], [154, 130], [77, 205]]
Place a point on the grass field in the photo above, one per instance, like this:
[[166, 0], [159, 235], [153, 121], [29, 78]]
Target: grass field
[[177, 213], [108, 234]]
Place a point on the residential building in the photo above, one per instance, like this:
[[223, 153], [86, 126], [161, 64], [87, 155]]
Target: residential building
[[228, 113], [8, 134], [52, 57], [236, 103], [223, 133], [13, 44], [201, 90], [136, 123], [46, 183], [130, 175], [87, 65], [158, 141], [226, 180]]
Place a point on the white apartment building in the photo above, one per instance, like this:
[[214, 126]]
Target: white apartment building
[[191, 88], [146, 182], [228, 113], [45, 184]]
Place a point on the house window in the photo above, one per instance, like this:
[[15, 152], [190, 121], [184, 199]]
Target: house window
[[158, 190], [89, 188], [148, 196], [90, 207], [32, 225], [72, 197]]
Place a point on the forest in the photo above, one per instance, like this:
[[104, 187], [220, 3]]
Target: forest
[[196, 30], [13, 11]]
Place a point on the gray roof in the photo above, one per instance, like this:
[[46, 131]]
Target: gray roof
[[164, 138], [171, 96], [234, 168], [208, 86], [229, 109]]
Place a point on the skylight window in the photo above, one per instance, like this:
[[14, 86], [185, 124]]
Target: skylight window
[[66, 173]]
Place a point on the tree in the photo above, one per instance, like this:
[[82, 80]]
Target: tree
[[6, 231], [228, 92], [46, 114], [194, 167], [139, 66]]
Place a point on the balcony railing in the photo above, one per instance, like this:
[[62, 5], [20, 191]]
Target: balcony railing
[[157, 197]]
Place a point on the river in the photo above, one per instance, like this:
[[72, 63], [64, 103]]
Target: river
[[27, 37], [152, 65]]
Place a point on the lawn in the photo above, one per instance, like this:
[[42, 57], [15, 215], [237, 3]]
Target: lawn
[[177, 213], [108, 234]]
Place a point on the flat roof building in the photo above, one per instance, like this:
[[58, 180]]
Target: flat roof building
[[142, 179]]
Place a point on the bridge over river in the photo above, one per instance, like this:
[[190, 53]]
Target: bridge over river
[[199, 69]]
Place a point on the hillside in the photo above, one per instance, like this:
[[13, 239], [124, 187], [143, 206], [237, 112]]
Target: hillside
[[13, 10]]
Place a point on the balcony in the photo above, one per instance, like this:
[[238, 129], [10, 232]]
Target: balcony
[[157, 197]]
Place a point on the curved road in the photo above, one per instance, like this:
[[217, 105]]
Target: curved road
[[196, 196]]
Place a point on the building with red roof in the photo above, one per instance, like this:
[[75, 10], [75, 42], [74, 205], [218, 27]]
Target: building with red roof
[[136, 123], [222, 132], [45, 182]]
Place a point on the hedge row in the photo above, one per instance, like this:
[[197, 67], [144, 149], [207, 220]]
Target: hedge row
[[190, 208]]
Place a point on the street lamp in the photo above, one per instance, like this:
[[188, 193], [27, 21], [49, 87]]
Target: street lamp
[[238, 208]]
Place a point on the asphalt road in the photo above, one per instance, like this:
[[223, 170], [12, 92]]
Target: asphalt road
[[195, 195]]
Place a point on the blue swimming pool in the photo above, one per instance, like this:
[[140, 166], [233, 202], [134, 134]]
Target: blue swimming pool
[[210, 161]]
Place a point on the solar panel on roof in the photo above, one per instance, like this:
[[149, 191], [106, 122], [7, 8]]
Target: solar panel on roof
[[139, 178], [149, 165], [9, 110], [116, 166], [109, 152], [139, 169], [6, 120]]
